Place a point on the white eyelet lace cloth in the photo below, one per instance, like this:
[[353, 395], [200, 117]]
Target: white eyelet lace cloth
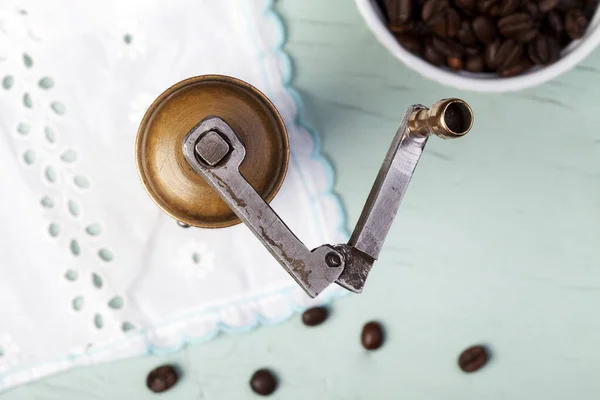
[[90, 269]]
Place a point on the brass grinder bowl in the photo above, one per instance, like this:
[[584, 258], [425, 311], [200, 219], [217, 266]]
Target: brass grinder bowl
[[169, 179]]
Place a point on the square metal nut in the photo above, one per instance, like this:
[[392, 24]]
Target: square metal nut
[[212, 148]]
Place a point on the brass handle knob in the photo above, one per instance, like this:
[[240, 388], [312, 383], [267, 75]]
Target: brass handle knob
[[448, 119]]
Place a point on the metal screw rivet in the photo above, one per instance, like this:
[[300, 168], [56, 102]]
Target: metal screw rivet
[[333, 260]]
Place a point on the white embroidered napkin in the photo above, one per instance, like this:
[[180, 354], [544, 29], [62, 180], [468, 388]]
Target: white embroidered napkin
[[90, 269]]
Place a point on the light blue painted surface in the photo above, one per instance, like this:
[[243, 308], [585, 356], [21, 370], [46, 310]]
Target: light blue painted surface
[[496, 242]]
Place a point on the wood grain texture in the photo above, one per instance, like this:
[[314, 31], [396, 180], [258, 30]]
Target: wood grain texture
[[496, 243]]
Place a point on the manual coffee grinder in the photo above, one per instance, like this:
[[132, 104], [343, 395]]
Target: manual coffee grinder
[[212, 151]]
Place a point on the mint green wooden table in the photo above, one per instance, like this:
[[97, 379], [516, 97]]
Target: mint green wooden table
[[497, 242]]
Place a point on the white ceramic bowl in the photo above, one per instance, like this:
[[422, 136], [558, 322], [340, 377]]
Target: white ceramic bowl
[[570, 56]]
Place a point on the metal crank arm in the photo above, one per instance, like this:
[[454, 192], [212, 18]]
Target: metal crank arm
[[450, 118], [215, 152]]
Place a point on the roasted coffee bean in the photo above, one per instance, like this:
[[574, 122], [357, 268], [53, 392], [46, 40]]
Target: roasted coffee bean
[[519, 26], [495, 10], [410, 42], [575, 24], [543, 50], [485, 6], [473, 358], [162, 378], [455, 63], [491, 55], [263, 382], [485, 29], [589, 10], [402, 28], [447, 47], [555, 23], [315, 316], [467, 6], [465, 34], [473, 51], [448, 24], [475, 63], [399, 11], [453, 22], [565, 5], [372, 336], [420, 28], [432, 55], [516, 69], [506, 7], [440, 26], [509, 53], [433, 9], [547, 5], [532, 9]]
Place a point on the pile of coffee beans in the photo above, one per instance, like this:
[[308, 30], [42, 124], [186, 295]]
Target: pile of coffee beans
[[506, 37]]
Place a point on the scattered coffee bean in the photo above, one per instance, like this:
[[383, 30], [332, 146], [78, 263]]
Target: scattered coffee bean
[[372, 336], [506, 37], [575, 24], [543, 50], [473, 359], [263, 382], [315, 316], [162, 378], [475, 64], [485, 29]]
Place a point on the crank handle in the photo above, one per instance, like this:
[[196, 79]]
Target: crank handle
[[214, 151], [449, 118]]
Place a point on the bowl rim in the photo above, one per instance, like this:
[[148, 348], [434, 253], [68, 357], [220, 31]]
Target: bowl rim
[[571, 56]]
